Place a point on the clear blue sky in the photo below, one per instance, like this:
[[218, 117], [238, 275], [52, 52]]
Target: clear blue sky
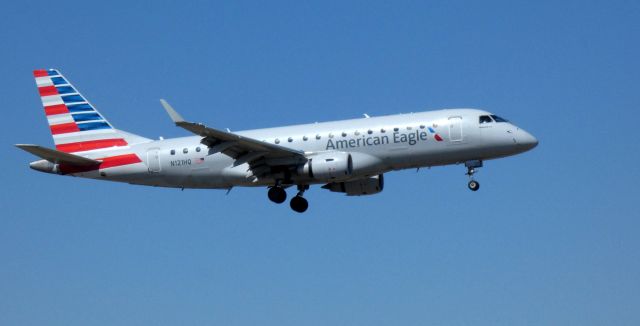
[[552, 238]]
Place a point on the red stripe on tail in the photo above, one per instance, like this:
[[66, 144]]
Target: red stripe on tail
[[64, 128], [107, 162], [48, 90], [40, 73], [55, 109], [91, 144]]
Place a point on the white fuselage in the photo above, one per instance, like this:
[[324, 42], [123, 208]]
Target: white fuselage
[[376, 145]]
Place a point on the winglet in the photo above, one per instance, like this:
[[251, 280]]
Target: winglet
[[175, 116]]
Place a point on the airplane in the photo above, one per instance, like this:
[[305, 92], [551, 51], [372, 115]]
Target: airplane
[[347, 156]]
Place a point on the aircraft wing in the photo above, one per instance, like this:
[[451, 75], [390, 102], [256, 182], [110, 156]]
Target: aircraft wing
[[243, 149]]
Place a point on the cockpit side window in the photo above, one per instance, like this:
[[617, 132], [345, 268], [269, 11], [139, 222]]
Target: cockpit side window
[[498, 119], [485, 119]]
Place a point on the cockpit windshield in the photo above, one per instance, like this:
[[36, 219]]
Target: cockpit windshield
[[485, 119], [498, 119]]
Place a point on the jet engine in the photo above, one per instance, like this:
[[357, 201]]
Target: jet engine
[[328, 166], [367, 186]]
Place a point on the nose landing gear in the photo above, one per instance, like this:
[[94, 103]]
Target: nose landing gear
[[474, 185], [471, 170]]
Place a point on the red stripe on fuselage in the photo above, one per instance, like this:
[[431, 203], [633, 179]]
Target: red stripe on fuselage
[[55, 109], [91, 144], [40, 73], [48, 90], [113, 161], [107, 162], [64, 128]]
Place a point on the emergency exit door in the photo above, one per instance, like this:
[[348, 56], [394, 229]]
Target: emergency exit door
[[153, 160], [455, 129]]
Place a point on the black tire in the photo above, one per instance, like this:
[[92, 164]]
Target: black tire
[[277, 195], [474, 185], [299, 204]]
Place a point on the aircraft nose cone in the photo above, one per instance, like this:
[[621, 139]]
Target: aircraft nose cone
[[527, 140]]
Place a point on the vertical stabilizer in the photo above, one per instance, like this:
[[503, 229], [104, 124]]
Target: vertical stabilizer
[[76, 126]]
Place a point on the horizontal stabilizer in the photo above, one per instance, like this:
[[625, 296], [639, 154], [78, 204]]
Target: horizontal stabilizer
[[57, 157]]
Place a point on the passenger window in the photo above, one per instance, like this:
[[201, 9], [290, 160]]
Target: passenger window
[[421, 126], [344, 134], [277, 141], [305, 138], [290, 139], [185, 151], [396, 129], [318, 136], [356, 133], [369, 131], [382, 130], [409, 128], [173, 152], [485, 119], [198, 149]]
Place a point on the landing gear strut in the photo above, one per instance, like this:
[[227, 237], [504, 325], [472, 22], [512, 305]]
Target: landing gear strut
[[299, 203], [471, 170], [277, 194]]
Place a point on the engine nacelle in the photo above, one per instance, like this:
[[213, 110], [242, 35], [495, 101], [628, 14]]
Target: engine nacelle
[[360, 187], [328, 166]]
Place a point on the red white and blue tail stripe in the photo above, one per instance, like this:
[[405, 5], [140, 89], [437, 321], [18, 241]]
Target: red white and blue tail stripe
[[76, 126]]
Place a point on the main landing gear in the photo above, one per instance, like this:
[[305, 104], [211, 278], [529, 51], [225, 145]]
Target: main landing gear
[[299, 203], [471, 170], [278, 195]]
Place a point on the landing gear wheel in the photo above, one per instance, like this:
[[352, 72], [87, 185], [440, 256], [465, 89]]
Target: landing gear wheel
[[299, 204], [277, 194], [471, 170]]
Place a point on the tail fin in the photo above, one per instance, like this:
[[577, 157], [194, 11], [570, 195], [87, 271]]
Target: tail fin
[[76, 126]]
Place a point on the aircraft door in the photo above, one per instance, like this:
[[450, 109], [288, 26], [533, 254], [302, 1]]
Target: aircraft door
[[153, 160], [455, 129]]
